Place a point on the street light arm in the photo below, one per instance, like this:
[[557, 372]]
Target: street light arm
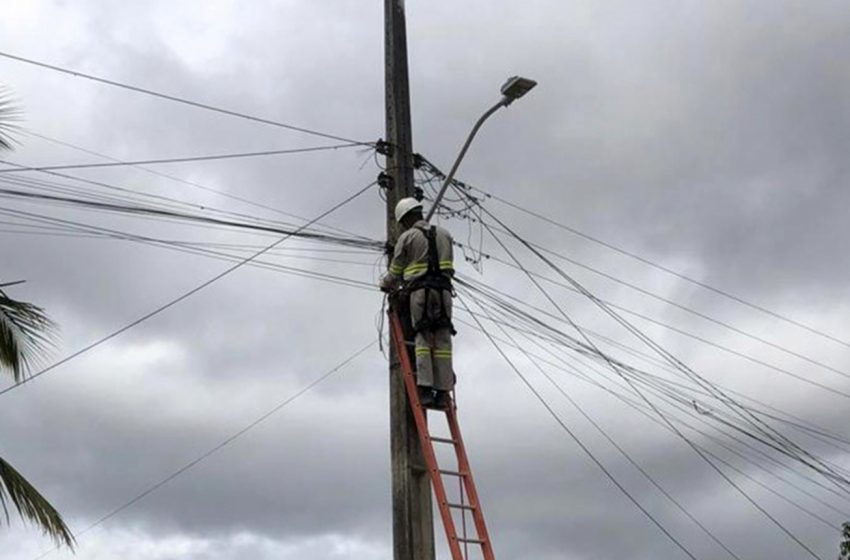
[[502, 103]]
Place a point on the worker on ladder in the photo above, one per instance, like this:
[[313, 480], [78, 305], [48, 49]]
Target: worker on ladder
[[422, 264]]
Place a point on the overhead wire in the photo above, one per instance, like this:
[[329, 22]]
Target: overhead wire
[[492, 292], [637, 405], [617, 446], [178, 99], [186, 294], [185, 159], [81, 229], [766, 430], [218, 447], [109, 233], [687, 309], [805, 510], [298, 232], [735, 407], [181, 180], [649, 262], [459, 185], [633, 371], [793, 449], [743, 355], [579, 442], [784, 441], [127, 196]]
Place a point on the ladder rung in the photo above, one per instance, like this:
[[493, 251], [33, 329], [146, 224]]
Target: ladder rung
[[460, 506], [462, 472]]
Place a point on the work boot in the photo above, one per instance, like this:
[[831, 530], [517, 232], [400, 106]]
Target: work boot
[[442, 400], [426, 396]]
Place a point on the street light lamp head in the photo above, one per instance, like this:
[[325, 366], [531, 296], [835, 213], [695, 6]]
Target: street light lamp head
[[512, 90], [515, 88]]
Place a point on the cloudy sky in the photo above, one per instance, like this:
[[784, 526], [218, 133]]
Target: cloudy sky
[[708, 138]]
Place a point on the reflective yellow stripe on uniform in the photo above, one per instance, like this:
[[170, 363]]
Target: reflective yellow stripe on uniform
[[415, 267], [442, 353], [395, 269], [423, 351]]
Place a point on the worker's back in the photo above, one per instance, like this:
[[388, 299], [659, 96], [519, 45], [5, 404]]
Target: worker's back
[[413, 252]]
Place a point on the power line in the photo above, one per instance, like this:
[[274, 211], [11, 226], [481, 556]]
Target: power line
[[119, 194], [128, 203], [684, 403], [667, 301], [186, 159], [800, 423], [125, 196], [177, 99], [462, 188], [675, 430], [224, 443], [578, 441], [640, 408], [187, 294], [466, 187], [175, 179], [92, 231], [297, 232], [761, 427], [616, 445], [672, 272], [713, 344]]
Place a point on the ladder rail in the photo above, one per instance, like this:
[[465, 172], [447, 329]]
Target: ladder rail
[[456, 441], [424, 438], [469, 484]]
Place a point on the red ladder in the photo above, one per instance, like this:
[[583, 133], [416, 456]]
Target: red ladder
[[463, 472]]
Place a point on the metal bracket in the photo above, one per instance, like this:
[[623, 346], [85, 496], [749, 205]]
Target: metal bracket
[[418, 161], [383, 147], [385, 181]]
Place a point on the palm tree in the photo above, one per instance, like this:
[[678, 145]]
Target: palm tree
[[9, 115], [844, 553], [26, 335]]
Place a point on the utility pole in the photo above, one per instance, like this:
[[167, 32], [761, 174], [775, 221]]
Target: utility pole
[[413, 527]]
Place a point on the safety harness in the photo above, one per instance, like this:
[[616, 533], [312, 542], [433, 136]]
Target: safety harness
[[434, 280]]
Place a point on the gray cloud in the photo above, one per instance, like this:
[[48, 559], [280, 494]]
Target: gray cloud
[[710, 138]]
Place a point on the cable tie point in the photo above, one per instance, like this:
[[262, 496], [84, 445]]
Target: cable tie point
[[385, 181], [383, 147]]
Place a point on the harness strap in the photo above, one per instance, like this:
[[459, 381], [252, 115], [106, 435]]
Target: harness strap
[[433, 279], [429, 323], [433, 257]]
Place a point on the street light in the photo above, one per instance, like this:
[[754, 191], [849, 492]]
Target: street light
[[512, 89], [515, 88]]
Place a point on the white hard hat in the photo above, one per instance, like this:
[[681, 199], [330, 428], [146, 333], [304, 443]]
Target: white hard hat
[[404, 206]]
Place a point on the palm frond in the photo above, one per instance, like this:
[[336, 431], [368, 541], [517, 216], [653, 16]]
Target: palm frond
[[10, 115], [26, 336], [31, 505]]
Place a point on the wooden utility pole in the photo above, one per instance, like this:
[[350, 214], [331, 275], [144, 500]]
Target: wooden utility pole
[[413, 527]]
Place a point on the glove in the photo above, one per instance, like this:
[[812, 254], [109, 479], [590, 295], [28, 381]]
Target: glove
[[388, 283]]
